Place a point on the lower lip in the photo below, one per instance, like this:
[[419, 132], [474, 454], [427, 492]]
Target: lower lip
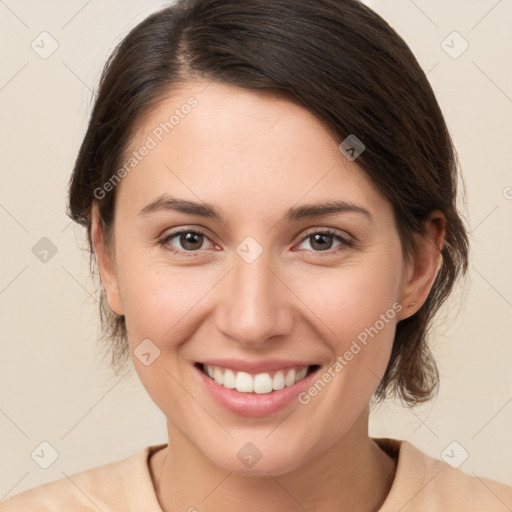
[[254, 404]]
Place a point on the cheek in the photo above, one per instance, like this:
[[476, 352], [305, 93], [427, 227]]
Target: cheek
[[353, 297], [356, 309], [162, 304], [157, 300]]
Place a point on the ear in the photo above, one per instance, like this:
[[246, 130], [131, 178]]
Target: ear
[[106, 263], [424, 265]]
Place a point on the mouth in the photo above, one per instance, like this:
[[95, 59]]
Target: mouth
[[263, 383]]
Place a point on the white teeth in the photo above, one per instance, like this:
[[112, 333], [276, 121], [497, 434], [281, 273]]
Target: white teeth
[[218, 376], [262, 383], [278, 381], [229, 379], [244, 382], [290, 378], [300, 374]]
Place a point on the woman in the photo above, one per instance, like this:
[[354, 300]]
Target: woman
[[269, 192]]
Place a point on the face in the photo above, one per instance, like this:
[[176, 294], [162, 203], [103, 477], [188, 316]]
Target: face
[[220, 264]]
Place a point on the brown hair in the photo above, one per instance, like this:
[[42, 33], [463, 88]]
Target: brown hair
[[348, 67]]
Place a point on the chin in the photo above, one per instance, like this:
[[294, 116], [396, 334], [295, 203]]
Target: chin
[[249, 460]]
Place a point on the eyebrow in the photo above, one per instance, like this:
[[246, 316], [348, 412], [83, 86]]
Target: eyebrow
[[168, 203]]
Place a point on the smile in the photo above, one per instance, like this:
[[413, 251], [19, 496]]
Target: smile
[[255, 388], [261, 383]]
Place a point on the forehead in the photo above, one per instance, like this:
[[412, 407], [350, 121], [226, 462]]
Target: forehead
[[214, 141], [224, 117]]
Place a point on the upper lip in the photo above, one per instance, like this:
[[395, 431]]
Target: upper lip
[[255, 367]]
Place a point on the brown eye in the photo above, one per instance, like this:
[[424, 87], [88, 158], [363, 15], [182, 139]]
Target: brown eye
[[322, 241], [185, 241], [191, 241]]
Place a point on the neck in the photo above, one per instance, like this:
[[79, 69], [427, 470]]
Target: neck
[[354, 474]]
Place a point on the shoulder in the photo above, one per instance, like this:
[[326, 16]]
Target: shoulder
[[428, 484], [112, 486]]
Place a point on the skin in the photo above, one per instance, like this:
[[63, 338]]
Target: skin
[[254, 155]]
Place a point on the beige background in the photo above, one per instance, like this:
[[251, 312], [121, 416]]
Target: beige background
[[54, 385]]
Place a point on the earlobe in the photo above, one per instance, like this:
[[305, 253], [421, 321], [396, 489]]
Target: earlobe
[[424, 265], [106, 265]]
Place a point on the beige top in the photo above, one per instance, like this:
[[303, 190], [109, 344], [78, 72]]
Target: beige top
[[421, 484]]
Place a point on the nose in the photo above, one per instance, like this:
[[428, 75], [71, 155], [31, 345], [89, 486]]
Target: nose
[[255, 305]]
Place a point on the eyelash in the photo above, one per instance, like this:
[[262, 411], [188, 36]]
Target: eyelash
[[327, 231]]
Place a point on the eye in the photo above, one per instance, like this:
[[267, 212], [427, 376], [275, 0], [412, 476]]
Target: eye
[[322, 241], [189, 241]]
